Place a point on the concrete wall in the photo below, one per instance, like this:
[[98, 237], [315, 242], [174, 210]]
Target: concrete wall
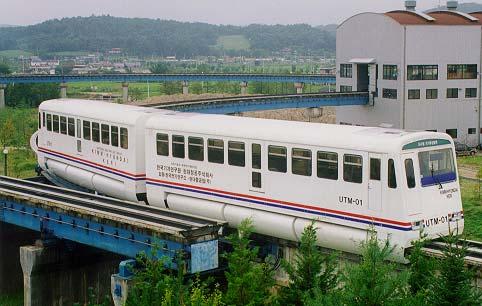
[[444, 45], [370, 35], [377, 36]]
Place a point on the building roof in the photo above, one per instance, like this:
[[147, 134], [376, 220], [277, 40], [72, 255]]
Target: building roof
[[435, 18]]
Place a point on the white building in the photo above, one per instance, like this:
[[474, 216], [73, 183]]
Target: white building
[[426, 65]]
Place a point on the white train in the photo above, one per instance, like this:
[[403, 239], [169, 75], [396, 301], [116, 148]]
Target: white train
[[280, 174]]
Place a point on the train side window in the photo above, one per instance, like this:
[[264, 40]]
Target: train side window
[[63, 125], [327, 165], [277, 160], [236, 156], [86, 128], [195, 148], [301, 162], [256, 157], [162, 144], [124, 138], [114, 136], [392, 179], [352, 168], [375, 169], [216, 151], [178, 146], [39, 120], [55, 120], [79, 129], [49, 122], [410, 173], [43, 119], [256, 179], [95, 132], [71, 126], [105, 134]]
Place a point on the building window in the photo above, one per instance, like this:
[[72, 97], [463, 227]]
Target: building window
[[178, 146], [301, 162], [451, 132], [461, 71], [471, 92], [195, 146], [216, 151], [344, 88], [389, 93], [472, 131], [452, 93], [390, 72], [352, 168], [422, 72], [414, 94], [346, 70], [277, 159], [431, 94], [162, 144], [236, 156]]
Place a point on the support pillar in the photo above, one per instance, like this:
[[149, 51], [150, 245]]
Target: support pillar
[[121, 282], [11, 238], [63, 90], [2, 95], [244, 88], [185, 87], [299, 87], [61, 274], [125, 92]]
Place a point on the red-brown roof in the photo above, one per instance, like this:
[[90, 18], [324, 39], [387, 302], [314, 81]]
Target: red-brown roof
[[441, 18]]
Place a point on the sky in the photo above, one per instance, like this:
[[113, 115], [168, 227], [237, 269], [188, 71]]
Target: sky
[[236, 12]]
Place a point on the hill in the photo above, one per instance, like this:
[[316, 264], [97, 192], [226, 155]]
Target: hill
[[140, 36], [462, 7]]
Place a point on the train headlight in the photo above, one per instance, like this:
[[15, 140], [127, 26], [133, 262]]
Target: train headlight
[[416, 225], [456, 216]]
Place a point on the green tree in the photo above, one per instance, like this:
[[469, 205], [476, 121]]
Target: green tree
[[421, 269], [7, 133], [30, 95], [454, 283], [4, 69], [311, 271], [160, 68], [375, 281], [248, 282]]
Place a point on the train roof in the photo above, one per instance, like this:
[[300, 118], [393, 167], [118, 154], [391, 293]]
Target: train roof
[[99, 110], [371, 139]]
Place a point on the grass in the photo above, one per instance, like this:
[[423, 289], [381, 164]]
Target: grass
[[71, 53], [12, 300], [233, 42], [470, 161], [472, 203], [14, 53]]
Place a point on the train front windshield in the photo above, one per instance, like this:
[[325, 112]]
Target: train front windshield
[[437, 167]]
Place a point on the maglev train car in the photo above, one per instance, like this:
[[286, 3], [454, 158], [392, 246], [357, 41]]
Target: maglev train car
[[96, 145], [284, 174]]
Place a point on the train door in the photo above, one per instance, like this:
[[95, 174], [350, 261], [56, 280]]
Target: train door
[[375, 182], [411, 195], [79, 136], [256, 173]]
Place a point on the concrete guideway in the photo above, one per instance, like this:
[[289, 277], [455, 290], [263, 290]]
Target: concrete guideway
[[120, 227], [266, 102]]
